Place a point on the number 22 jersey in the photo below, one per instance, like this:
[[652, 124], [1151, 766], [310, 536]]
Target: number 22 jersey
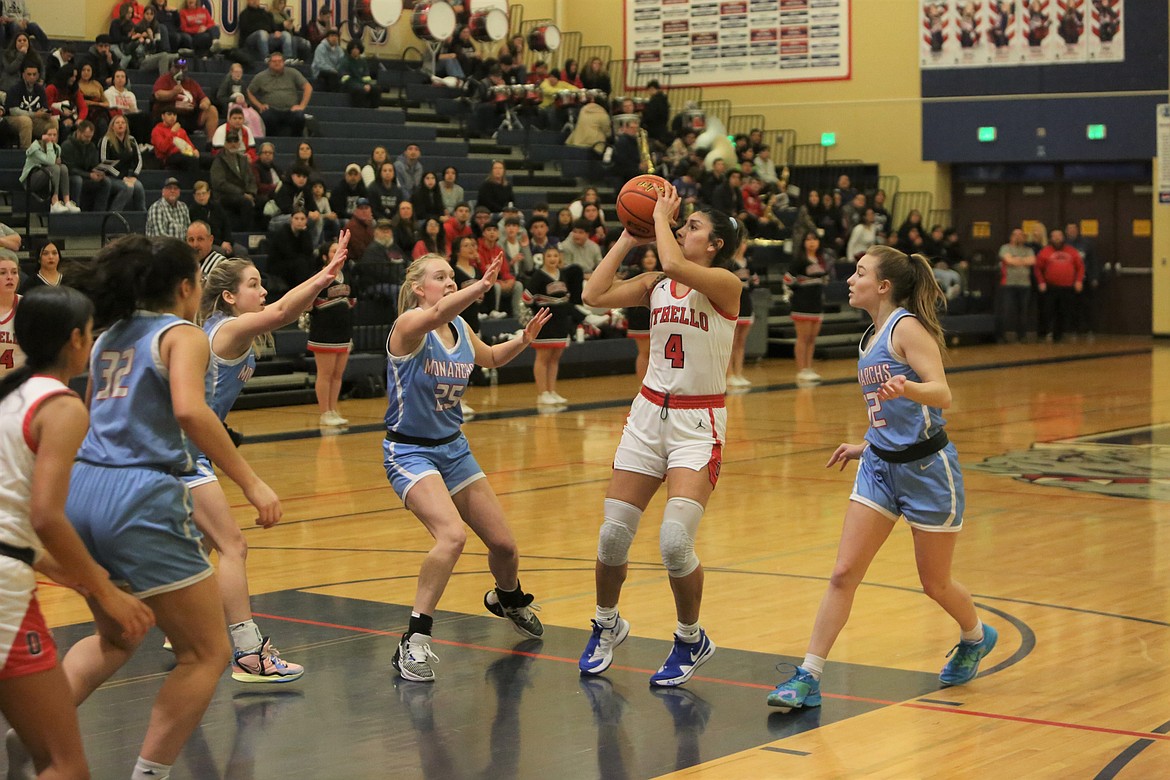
[[690, 342]]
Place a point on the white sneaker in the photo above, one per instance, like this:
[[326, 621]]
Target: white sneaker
[[560, 399], [337, 418], [738, 381], [468, 412], [58, 208], [546, 399], [330, 419], [72, 207]]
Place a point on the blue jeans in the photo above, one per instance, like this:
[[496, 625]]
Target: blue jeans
[[127, 198], [261, 41]]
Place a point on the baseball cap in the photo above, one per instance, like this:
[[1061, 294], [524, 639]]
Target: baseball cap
[[232, 136], [171, 182], [360, 202], [353, 167]]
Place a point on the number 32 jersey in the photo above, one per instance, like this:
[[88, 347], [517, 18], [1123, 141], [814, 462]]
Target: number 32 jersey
[[423, 388], [690, 342]]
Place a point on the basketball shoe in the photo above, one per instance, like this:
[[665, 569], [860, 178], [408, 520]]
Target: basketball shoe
[[523, 617], [598, 653], [684, 659], [264, 665], [965, 658], [799, 690], [412, 659]]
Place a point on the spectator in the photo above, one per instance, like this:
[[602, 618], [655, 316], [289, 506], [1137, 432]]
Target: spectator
[[329, 219], [268, 175], [845, 187], [765, 167], [517, 251], [101, 56], [447, 59], [852, 212], [315, 30], [258, 31], [274, 93], [505, 298], [571, 74], [595, 77], [210, 212], [627, 161], [406, 232], [591, 215], [427, 198], [932, 243], [1087, 305], [728, 196], [173, 38], [9, 243], [409, 168], [17, 56], [168, 216], [306, 158], [496, 190], [121, 160], [361, 227], [356, 80], [66, 103], [196, 22], [179, 92], [172, 146], [131, 8], [148, 37], [579, 251], [458, 225], [450, 190], [291, 259], [373, 167], [564, 225], [348, 191], [87, 180], [432, 241], [864, 236], [466, 53], [200, 239], [235, 121], [123, 35], [16, 12], [295, 194], [948, 279], [97, 107], [481, 217], [48, 263], [231, 86], [327, 60], [539, 239], [26, 102], [656, 114], [881, 217], [235, 181], [283, 22], [551, 87], [1060, 276], [712, 180], [911, 242], [385, 193], [42, 161]]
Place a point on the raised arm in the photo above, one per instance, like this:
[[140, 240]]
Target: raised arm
[[412, 326], [502, 354], [604, 290], [720, 285]]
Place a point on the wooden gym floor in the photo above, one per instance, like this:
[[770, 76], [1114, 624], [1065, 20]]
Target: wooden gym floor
[[1065, 457]]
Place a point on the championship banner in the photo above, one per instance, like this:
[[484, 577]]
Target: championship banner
[[725, 42], [986, 33]]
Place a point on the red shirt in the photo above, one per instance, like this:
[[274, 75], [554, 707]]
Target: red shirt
[[454, 233], [1061, 267], [488, 255], [191, 96], [195, 20], [163, 139]]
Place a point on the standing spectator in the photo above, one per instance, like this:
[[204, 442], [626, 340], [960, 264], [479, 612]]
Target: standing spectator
[[16, 12], [234, 181], [496, 190], [42, 161], [235, 121], [450, 190], [1060, 276], [172, 146], [258, 31], [348, 191], [384, 193], [656, 114], [409, 168], [427, 198], [121, 159], [728, 196], [458, 225], [327, 60], [291, 258], [360, 227], [87, 180], [274, 93], [505, 299], [168, 216], [627, 161], [811, 267], [196, 22], [178, 91], [356, 80], [27, 102], [516, 250], [1087, 304]]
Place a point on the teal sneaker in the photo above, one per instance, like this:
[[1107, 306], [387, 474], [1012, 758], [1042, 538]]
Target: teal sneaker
[[965, 658], [799, 690]]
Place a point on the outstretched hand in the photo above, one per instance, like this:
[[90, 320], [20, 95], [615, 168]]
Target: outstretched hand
[[490, 274], [333, 268], [535, 324]]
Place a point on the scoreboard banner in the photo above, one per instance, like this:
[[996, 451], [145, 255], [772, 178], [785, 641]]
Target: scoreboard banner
[[728, 42], [986, 33]]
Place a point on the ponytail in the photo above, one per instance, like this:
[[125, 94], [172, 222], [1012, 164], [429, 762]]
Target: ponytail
[[44, 323], [134, 272], [407, 297], [914, 287]]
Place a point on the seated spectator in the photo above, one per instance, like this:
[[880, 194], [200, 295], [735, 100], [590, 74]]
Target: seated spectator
[[591, 215], [373, 166], [406, 232], [458, 225], [496, 190], [121, 160], [656, 115], [19, 21], [688, 187], [627, 161], [252, 118], [87, 181], [177, 91], [291, 259], [538, 73], [467, 54], [448, 62], [259, 32], [196, 22], [432, 241], [315, 30], [209, 211], [42, 162], [235, 121], [728, 196], [306, 158], [97, 107], [596, 77], [380, 269], [511, 57], [579, 251], [564, 225], [348, 191], [268, 175], [765, 167], [450, 190], [356, 80], [593, 128], [295, 194], [147, 39], [48, 262], [428, 198], [539, 238], [384, 193], [66, 103], [551, 88], [235, 181], [172, 146], [863, 236], [202, 243], [168, 216], [948, 279], [281, 95], [330, 221], [327, 59], [516, 250], [104, 60], [361, 226], [231, 86], [409, 168], [480, 218], [27, 102], [571, 74], [283, 22], [910, 242], [18, 55], [712, 180], [173, 38]]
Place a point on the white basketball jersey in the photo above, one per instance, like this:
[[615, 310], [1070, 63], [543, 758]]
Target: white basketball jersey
[[11, 356], [17, 458], [690, 342]]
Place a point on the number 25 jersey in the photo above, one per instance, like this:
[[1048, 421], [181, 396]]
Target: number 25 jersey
[[690, 342], [423, 388]]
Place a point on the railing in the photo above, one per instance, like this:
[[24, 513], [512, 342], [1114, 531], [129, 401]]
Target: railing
[[889, 184], [742, 124], [807, 154], [717, 108], [780, 142], [938, 217], [905, 202]]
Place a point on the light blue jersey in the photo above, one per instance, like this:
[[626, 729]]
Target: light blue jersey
[[424, 387], [899, 422], [132, 421], [225, 378]]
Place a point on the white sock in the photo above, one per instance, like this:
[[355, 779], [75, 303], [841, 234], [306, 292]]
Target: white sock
[[246, 636], [148, 770], [974, 636], [607, 616], [688, 632], [814, 665]]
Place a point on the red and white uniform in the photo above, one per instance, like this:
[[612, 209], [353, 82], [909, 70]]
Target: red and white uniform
[[11, 355], [26, 646], [679, 419]]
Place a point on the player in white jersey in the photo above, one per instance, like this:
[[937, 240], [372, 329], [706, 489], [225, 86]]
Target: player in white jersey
[[907, 467], [42, 423], [11, 356], [676, 426]]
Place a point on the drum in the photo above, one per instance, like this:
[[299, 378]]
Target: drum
[[518, 93], [500, 93], [570, 97], [489, 25], [546, 38], [532, 95], [433, 21], [639, 104], [594, 96], [694, 119], [377, 13]]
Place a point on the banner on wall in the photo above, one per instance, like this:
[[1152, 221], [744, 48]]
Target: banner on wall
[[987, 33], [725, 42]]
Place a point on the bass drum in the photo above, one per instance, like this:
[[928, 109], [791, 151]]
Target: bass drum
[[489, 26], [376, 13], [545, 38], [433, 21]]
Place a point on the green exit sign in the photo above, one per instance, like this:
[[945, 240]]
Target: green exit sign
[[828, 139], [986, 135], [1095, 132]]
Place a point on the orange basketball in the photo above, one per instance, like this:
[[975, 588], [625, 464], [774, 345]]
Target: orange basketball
[[635, 204]]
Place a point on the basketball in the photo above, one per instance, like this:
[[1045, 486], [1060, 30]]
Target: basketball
[[635, 204]]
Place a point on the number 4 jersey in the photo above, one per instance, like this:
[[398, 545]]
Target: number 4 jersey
[[132, 420], [423, 388], [690, 342]]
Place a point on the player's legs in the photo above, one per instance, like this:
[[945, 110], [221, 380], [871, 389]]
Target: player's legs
[[213, 517], [688, 590], [481, 510], [553, 368], [335, 378], [636, 490], [540, 361], [326, 368], [933, 552], [94, 659], [429, 500], [41, 711]]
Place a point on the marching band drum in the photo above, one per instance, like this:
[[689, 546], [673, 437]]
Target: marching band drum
[[433, 21], [489, 25], [545, 38], [378, 13]]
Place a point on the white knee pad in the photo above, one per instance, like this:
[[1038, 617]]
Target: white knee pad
[[617, 532], [680, 524]]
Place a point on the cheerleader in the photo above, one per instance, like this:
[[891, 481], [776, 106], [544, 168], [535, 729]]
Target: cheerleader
[[331, 340], [806, 278], [638, 317], [743, 325], [11, 356], [547, 291]]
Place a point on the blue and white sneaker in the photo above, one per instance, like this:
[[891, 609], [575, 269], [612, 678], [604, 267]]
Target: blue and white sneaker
[[799, 690], [598, 653], [965, 658], [684, 659]]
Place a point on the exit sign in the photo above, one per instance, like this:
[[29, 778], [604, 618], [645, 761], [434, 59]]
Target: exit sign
[[986, 135], [828, 139], [1095, 132]]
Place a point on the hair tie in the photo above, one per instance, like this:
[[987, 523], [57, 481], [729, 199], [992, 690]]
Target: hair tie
[[734, 224]]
